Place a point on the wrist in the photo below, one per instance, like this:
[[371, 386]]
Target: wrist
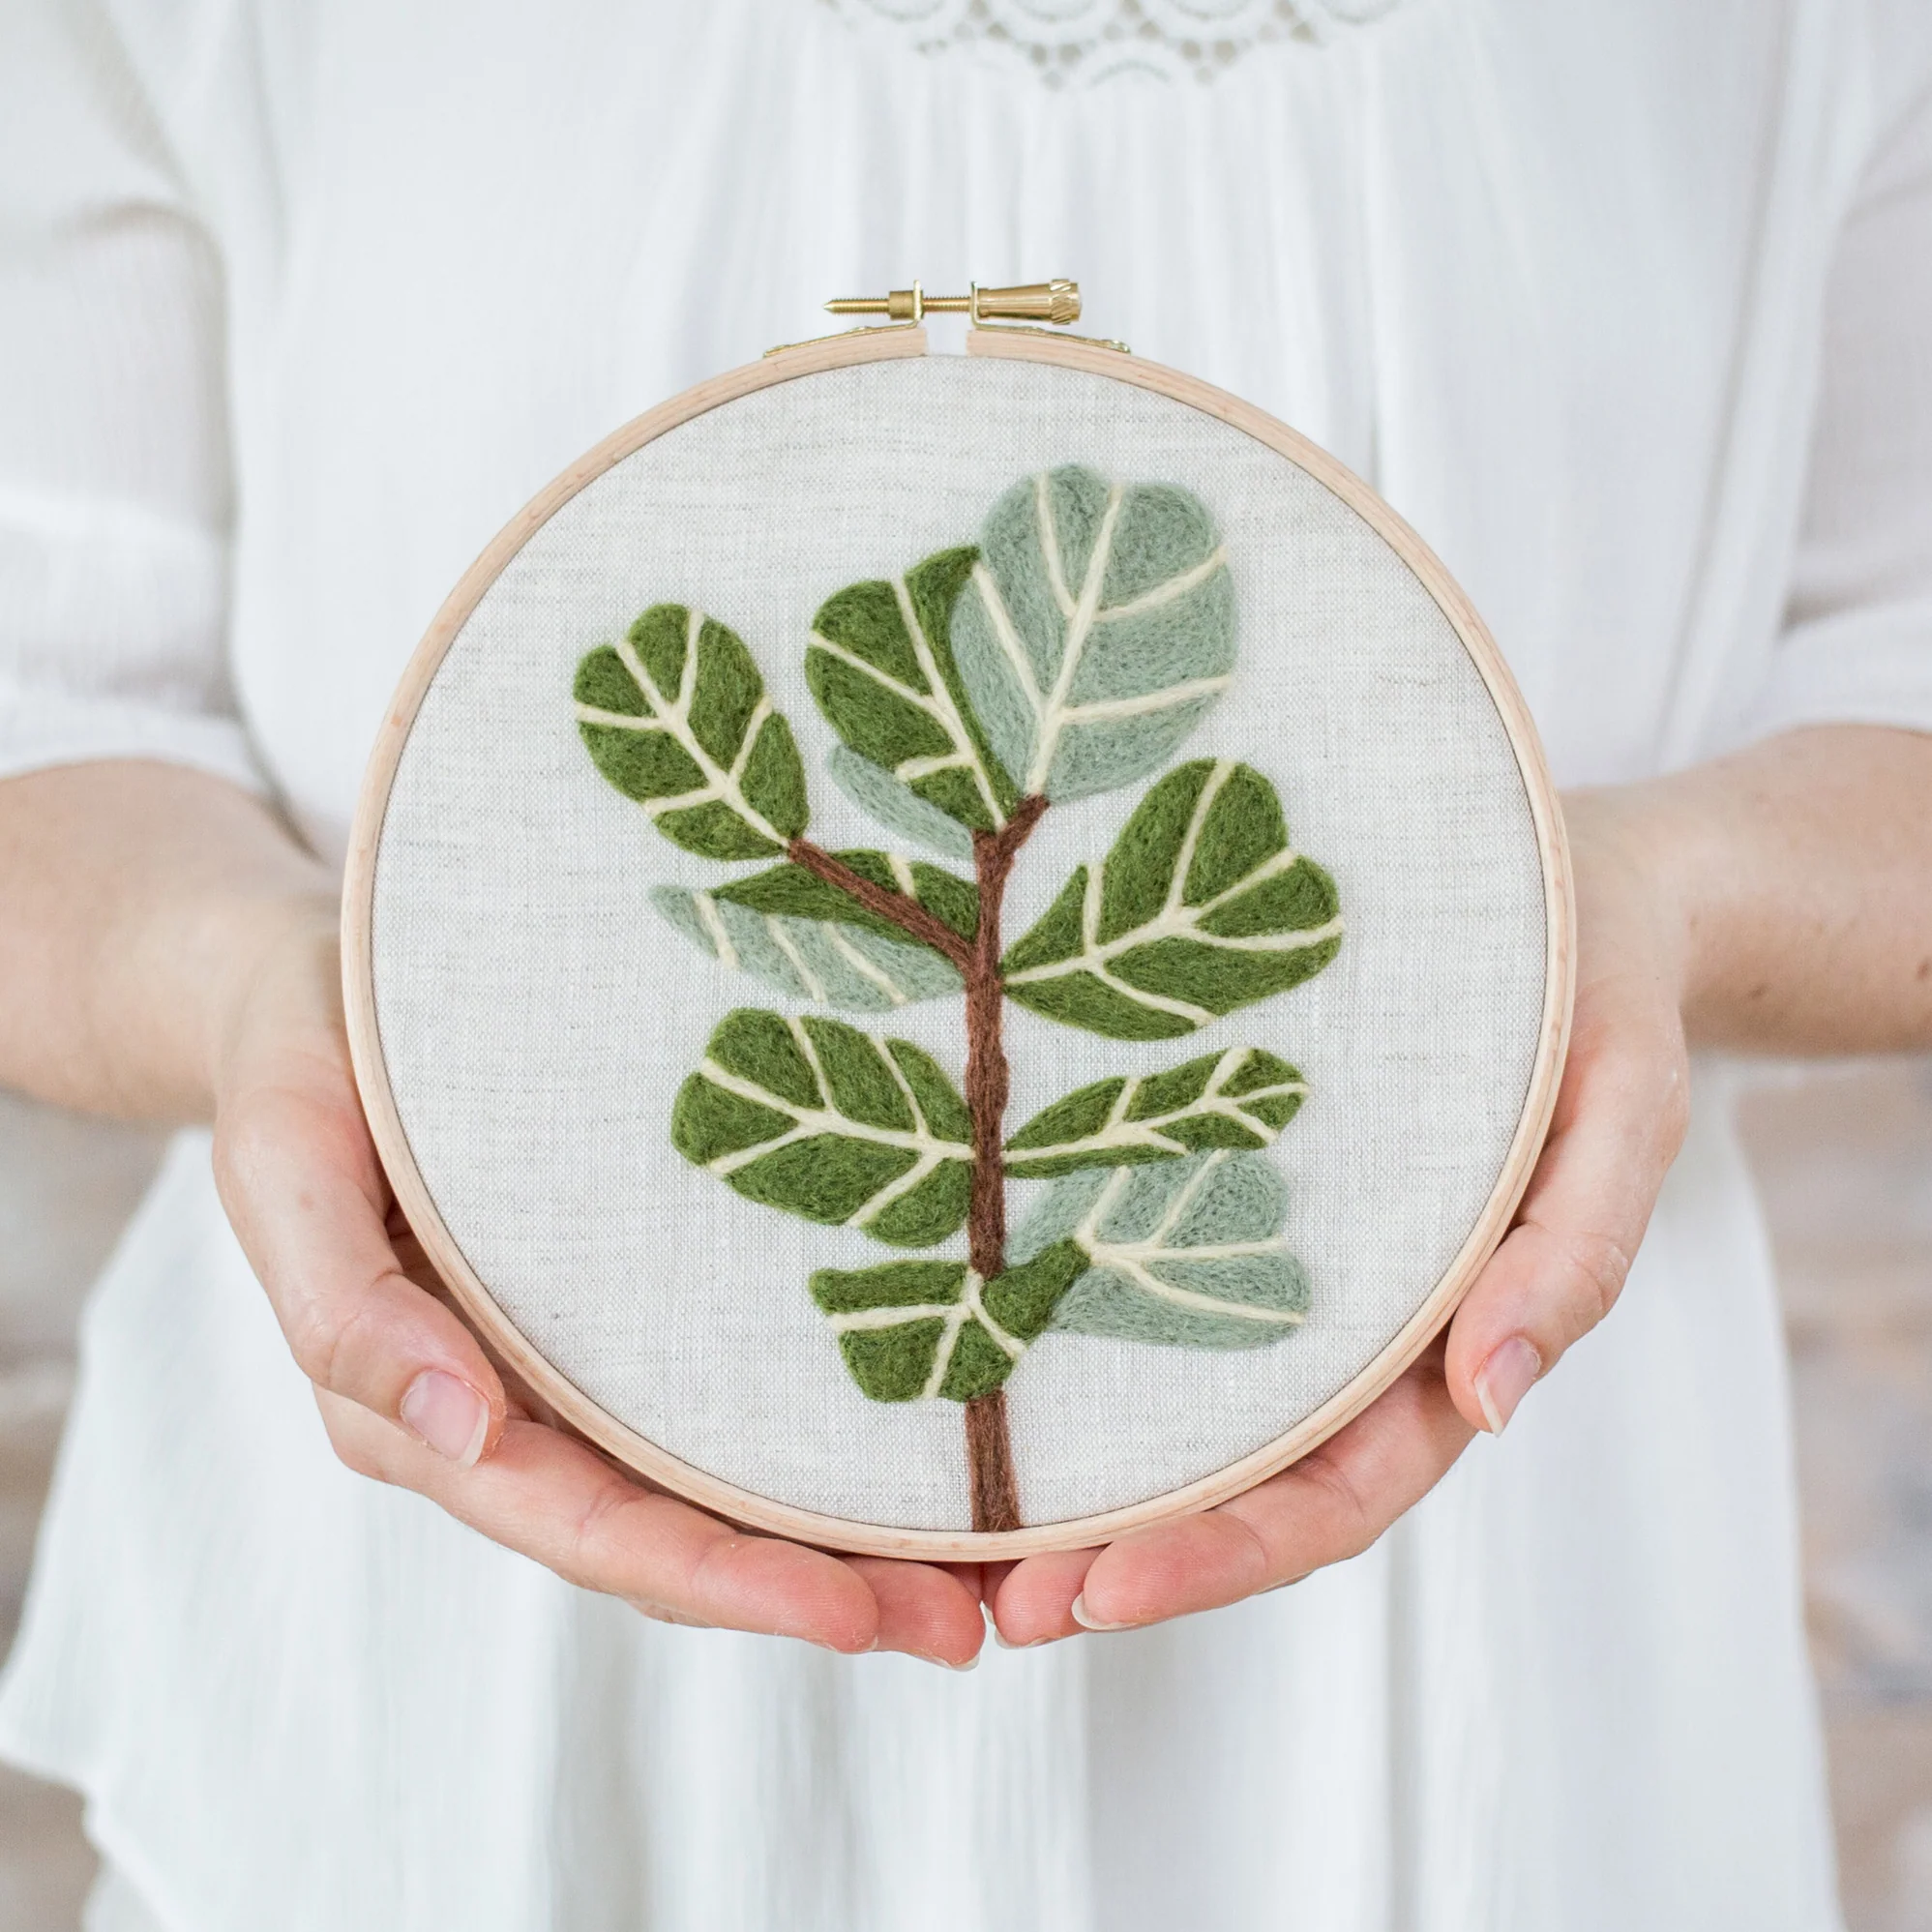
[[272, 958], [1642, 884]]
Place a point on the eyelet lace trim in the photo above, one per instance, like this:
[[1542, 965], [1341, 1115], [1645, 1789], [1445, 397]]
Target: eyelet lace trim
[[1083, 42]]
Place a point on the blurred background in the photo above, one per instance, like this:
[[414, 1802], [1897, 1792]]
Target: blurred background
[[1844, 1159]]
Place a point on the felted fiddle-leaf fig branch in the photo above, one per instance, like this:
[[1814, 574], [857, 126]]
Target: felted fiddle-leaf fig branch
[[1068, 652]]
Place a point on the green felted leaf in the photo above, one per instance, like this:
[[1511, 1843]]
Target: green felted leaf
[[674, 715], [806, 936], [1188, 1252], [933, 1328], [1241, 1098], [1098, 628], [811, 1115], [880, 665], [1201, 906]]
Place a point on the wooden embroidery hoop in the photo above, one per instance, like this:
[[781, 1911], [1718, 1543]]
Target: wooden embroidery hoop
[[648, 1459]]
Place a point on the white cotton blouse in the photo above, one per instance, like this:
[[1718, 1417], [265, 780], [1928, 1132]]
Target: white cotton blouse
[[1626, 306]]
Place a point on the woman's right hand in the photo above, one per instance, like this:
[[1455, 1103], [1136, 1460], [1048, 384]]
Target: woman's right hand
[[408, 1395]]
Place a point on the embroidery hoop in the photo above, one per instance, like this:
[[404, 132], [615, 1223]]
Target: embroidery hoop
[[650, 1458]]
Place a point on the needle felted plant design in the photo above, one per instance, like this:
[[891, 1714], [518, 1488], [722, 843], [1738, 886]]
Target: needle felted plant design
[[1069, 652]]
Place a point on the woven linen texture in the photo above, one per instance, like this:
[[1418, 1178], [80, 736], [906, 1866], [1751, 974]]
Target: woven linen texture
[[538, 1016]]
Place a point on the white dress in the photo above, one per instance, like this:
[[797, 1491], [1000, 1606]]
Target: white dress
[[1625, 304]]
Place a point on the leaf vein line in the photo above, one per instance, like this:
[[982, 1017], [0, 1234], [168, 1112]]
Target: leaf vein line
[[943, 1356], [944, 708], [820, 1120], [1012, 1345], [1099, 710], [891, 1317], [720, 784], [1166, 593], [1050, 542], [1005, 630], [1190, 1299], [914, 1177], [865, 966], [815, 987], [1072, 646], [867, 668], [1196, 822], [713, 922], [1183, 1197]]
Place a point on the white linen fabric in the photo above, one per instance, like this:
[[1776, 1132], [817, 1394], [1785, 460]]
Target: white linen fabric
[[538, 1018], [1626, 306]]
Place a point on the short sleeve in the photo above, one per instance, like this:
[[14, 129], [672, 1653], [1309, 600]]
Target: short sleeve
[[1857, 647], [115, 471]]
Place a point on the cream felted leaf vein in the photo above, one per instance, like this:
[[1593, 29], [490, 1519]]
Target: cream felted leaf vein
[[1242, 1098], [1067, 653]]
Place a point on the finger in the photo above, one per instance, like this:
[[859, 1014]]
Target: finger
[[924, 1610], [1330, 1505], [555, 1500], [1033, 1602], [302, 1186], [991, 1577], [1620, 1121]]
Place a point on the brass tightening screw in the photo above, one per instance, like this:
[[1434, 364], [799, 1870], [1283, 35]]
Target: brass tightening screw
[[1055, 302]]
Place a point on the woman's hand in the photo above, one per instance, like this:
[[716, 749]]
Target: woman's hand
[[408, 1395], [169, 953], [1620, 1119]]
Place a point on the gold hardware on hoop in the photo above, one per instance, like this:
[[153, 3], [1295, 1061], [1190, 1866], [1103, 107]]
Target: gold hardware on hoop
[[1054, 302], [1004, 311]]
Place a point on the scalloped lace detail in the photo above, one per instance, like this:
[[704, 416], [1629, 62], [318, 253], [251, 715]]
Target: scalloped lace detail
[[1084, 43]]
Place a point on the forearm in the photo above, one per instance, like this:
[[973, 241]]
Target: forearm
[[138, 897], [1798, 876]]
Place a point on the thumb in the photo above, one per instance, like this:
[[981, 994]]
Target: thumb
[[1619, 1120], [301, 1183]]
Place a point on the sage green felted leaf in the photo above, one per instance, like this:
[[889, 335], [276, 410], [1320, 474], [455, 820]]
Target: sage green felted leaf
[[803, 934], [1188, 1252], [811, 1115], [674, 715], [1241, 1098], [933, 1328], [824, 961], [1098, 628], [1201, 906], [880, 665], [897, 807]]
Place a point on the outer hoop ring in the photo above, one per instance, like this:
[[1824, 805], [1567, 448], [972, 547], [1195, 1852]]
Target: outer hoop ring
[[646, 1458]]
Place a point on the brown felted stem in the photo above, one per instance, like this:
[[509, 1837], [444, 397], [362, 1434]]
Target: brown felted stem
[[906, 914], [995, 1494], [995, 1497]]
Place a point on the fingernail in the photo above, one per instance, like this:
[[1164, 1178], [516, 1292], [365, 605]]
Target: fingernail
[[448, 1414], [1006, 1643], [1090, 1623], [1505, 1380], [971, 1664]]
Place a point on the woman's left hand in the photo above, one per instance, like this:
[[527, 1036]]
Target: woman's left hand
[[1620, 1119]]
